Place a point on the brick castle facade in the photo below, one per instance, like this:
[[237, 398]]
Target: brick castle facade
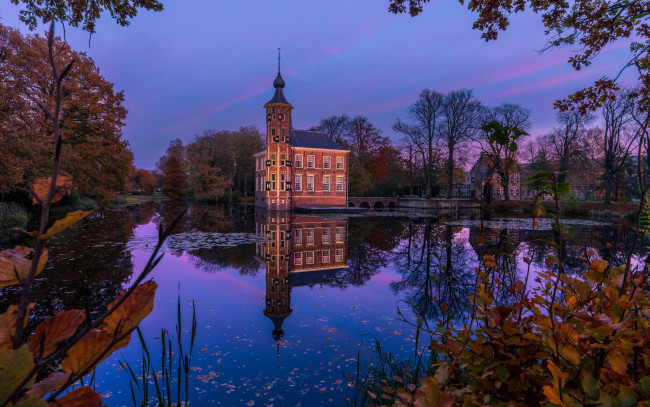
[[298, 167]]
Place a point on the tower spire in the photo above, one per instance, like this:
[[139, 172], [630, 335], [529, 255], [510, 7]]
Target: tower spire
[[278, 61]]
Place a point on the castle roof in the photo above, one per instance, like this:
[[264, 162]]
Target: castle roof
[[313, 139]]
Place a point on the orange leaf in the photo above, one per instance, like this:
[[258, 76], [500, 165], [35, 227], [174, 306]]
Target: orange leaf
[[599, 266], [49, 384], [8, 325], [41, 187], [133, 310], [94, 347], [70, 219], [553, 397], [619, 361], [16, 258], [43, 342], [79, 397]]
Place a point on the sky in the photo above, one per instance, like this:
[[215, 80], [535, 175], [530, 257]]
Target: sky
[[206, 64]]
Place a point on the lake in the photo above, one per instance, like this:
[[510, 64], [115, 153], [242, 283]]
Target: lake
[[286, 303]]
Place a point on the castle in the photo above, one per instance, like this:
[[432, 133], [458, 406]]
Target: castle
[[298, 168]]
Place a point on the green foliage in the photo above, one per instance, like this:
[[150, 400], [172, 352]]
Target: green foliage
[[12, 214]]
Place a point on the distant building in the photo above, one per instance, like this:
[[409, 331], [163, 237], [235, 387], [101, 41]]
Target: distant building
[[298, 167], [582, 177]]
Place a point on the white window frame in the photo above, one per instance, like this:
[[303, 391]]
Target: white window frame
[[297, 258], [327, 162], [311, 159], [326, 235], [339, 184], [309, 236], [310, 184], [339, 234], [298, 160], [326, 185], [309, 257], [298, 183], [338, 255], [297, 235], [340, 163], [326, 256]]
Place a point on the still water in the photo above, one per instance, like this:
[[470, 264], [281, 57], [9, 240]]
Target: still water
[[286, 303]]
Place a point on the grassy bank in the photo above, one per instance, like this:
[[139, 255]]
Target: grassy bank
[[12, 215], [569, 208]]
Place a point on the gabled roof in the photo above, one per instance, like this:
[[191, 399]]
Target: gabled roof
[[313, 139]]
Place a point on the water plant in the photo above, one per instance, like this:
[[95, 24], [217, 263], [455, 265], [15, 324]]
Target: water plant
[[169, 375]]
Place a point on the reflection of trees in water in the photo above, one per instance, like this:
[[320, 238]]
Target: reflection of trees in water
[[370, 240], [89, 264], [208, 218], [435, 268], [214, 259]]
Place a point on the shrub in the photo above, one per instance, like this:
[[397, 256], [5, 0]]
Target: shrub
[[12, 214]]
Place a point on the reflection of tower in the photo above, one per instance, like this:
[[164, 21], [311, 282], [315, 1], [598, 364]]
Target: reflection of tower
[[298, 250], [276, 254]]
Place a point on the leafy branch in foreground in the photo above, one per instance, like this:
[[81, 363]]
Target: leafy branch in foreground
[[71, 337]]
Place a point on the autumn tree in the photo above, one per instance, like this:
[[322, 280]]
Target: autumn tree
[[143, 180], [461, 114], [95, 155], [426, 115], [587, 26], [174, 168], [207, 180], [365, 141], [82, 13], [502, 130], [334, 126]]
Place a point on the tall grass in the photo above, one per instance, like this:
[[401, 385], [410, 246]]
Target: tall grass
[[12, 214], [171, 379]]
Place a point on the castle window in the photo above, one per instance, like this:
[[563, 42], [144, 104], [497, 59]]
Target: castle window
[[310, 236], [310, 183], [310, 257], [326, 256], [326, 183], [298, 160], [298, 183], [338, 255], [339, 234], [273, 132], [339, 163], [327, 162], [311, 161], [273, 110], [326, 235], [297, 258], [339, 183], [298, 236]]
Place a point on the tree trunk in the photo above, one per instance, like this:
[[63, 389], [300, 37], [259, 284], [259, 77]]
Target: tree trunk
[[506, 189], [450, 171], [230, 196], [608, 189], [245, 193]]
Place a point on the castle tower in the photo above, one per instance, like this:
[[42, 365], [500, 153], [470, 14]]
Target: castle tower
[[278, 146]]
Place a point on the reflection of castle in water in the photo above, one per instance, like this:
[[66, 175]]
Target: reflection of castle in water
[[299, 250]]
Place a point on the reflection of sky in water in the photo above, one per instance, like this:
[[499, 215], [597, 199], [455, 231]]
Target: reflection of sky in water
[[236, 360], [235, 355]]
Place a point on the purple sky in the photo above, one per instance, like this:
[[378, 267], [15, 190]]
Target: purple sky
[[206, 64]]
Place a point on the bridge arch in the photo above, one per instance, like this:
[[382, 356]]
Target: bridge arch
[[364, 204]]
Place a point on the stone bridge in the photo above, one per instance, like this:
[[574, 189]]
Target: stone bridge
[[379, 202]]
